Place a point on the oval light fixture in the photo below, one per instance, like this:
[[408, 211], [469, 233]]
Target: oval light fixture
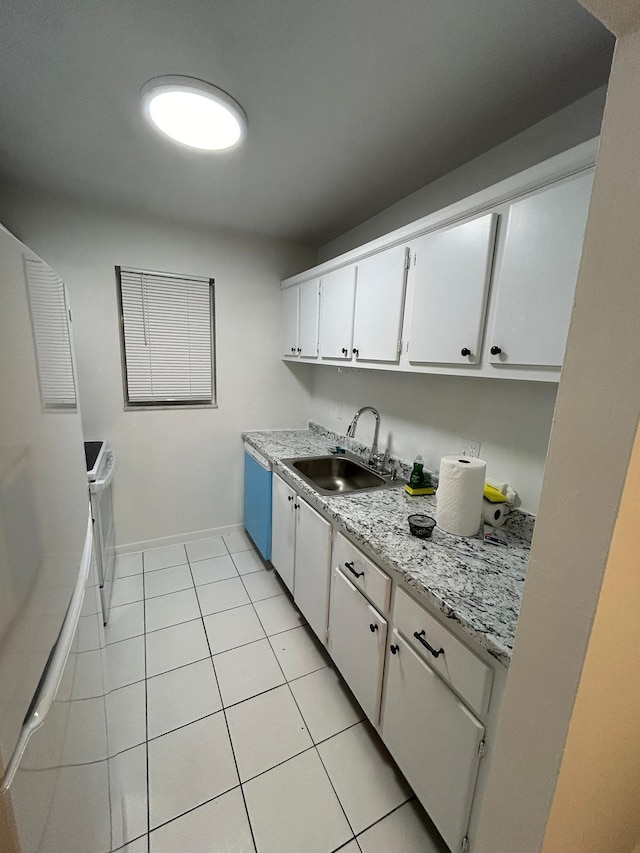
[[194, 113]]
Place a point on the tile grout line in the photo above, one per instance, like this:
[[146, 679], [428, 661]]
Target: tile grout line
[[313, 744], [226, 721]]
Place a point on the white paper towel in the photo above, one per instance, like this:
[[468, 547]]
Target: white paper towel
[[459, 495], [493, 514]]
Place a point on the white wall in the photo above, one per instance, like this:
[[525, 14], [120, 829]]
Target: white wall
[[427, 414], [179, 471], [560, 131]]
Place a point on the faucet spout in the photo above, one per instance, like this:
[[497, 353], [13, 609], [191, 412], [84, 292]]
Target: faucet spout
[[351, 431]]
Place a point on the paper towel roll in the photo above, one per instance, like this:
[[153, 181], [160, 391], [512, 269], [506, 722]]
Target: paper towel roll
[[459, 496], [493, 514]]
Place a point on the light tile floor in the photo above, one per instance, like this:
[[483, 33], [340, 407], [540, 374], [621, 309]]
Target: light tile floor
[[228, 724]]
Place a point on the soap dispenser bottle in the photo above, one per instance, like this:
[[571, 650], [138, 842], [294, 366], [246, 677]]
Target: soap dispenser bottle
[[416, 478]]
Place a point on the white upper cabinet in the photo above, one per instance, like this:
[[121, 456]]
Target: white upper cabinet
[[300, 316], [450, 282], [290, 307], [309, 316], [536, 271], [337, 295], [484, 287], [377, 326]]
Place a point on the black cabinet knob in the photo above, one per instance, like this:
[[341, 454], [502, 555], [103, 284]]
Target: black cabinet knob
[[373, 627], [299, 350], [356, 352], [289, 498], [465, 351], [495, 350], [394, 649], [344, 351], [293, 349]]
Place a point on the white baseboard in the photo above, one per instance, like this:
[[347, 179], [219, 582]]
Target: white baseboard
[[179, 538]]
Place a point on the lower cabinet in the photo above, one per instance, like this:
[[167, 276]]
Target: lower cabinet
[[435, 740], [283, 529], [357, 637], [312, 565], [301, 553]]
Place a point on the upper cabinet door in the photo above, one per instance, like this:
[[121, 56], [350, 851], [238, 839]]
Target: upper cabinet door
[[337, 296], [290, 309], [450, 285], [536, 275], [380, 305], [309, 315]]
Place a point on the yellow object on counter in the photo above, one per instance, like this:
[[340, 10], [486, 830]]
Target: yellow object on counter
[[420, 490], [493, 495]]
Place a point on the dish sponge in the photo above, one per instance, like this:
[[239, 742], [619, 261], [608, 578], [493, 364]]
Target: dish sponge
[[493, 495]]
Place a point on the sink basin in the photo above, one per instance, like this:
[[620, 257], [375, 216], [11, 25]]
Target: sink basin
[[335, 475]]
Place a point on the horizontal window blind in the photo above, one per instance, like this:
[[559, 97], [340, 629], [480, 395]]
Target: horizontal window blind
[[50, 324], [168, 338]]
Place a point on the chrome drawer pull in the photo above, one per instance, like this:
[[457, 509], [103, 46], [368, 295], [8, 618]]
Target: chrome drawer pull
[[420, 637], [352, 570]]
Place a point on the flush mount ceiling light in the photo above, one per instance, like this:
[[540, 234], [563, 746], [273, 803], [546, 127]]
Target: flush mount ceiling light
[[194, 113]]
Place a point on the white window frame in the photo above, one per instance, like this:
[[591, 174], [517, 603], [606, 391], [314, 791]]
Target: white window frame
[[134, 406]]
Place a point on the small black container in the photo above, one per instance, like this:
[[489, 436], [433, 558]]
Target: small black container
[[421, 525]]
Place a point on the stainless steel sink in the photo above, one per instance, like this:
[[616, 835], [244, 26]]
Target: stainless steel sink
[[337, 475]]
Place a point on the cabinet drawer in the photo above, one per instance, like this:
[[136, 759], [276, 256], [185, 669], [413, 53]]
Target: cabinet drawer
[[469, 676], [362, 572]]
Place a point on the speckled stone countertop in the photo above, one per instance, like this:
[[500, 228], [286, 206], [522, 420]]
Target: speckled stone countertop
[[475, 584]]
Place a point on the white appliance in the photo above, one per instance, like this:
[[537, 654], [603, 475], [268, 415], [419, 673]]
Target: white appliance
[[54, 766], [101, 467]]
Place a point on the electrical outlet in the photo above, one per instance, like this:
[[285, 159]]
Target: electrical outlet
[[339, 412], [469, 447]]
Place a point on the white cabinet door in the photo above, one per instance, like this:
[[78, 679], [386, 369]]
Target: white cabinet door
[[434, 739], [357, 636], [312, 567], [536, 275], [283, 530], [309, 315], [290, 308], [380, 305], [338, 289], [450, 280]]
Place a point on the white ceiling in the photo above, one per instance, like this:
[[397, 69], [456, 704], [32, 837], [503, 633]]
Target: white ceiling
[[352, 104]]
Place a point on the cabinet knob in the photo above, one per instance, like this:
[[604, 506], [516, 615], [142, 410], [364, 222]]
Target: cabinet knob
[[296, 506], [344, 351], [289, 498], [373, 627], [356, 352], [465, 351], [495, 350], [299, 349], [394, 649]]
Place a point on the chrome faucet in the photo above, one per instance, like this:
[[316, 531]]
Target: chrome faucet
[[351, 431]]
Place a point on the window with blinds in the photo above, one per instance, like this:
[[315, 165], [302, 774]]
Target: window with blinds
[[168, 350], [50, 323]]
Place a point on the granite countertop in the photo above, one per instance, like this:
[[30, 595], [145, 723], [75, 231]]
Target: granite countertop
[[475, 584]]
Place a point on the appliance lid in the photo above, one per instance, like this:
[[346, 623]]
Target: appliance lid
[[94, 453]]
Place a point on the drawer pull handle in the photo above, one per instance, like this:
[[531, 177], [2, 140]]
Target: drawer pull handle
[[420, 638], [394, 649], [352, 570], [373, 627]]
